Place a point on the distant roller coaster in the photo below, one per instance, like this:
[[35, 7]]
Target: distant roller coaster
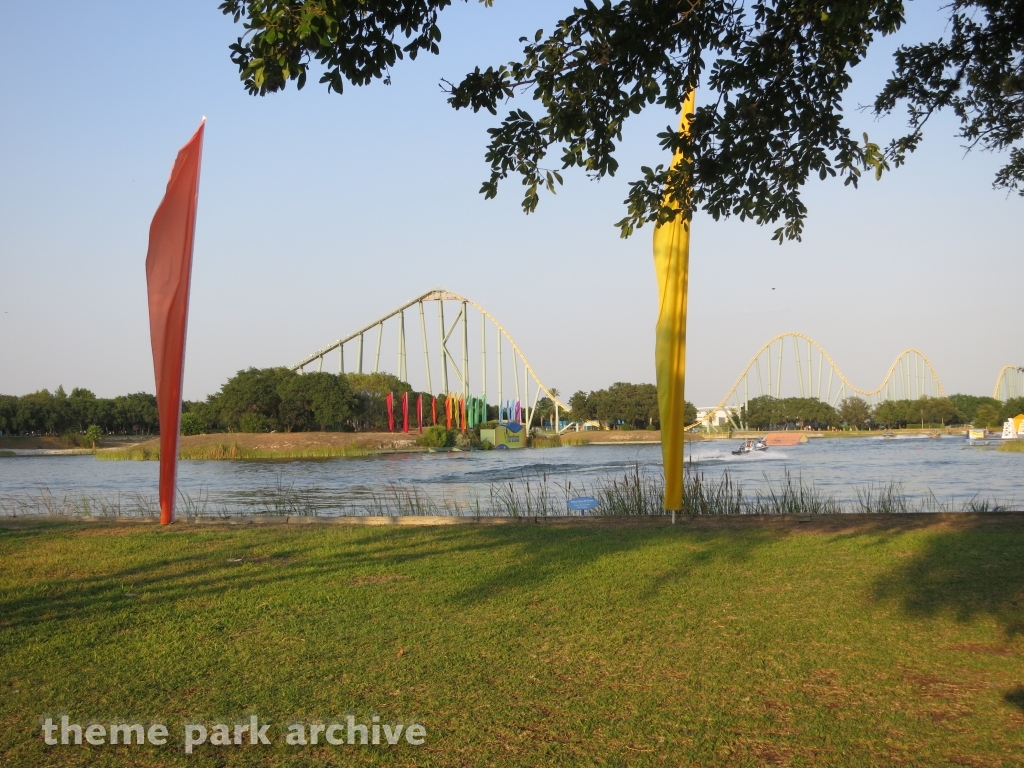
[[909, 377], [462, 369], [1009, 383]]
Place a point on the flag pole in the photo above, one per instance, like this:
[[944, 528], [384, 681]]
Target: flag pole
[[168, 280], [671, 264]]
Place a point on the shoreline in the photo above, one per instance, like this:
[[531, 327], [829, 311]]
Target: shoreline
[[796, 521], [323, 445]]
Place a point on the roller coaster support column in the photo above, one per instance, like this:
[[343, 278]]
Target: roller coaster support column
[[778, 381], [799, 370], [501, 403], [533, 409], [483, 361], [426, 357], [360, 353], [526, 402], [821, 362], [440, 338], [515, 376], [402, 371], [380, 334], [465, 351], [809, 369]]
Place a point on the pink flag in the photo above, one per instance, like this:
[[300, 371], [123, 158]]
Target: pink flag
[[168, 275]]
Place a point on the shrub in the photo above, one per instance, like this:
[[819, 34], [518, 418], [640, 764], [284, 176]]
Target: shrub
[[72, 439], [437, 437], [252, 422], [193, 424]]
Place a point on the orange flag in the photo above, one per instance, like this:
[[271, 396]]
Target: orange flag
[[168, 275]]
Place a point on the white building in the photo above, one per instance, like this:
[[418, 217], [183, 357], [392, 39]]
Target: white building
[[720, 417]]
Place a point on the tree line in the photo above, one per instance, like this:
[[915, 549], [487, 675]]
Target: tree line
[[57, 413], [266, 399], [254, 400], [767, 412], [622, 406], [278, 399]]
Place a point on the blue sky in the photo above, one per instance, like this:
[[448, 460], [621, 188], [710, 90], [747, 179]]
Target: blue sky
[[320, 212]]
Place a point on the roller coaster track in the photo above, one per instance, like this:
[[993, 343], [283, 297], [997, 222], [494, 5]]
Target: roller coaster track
[[1009, 383], [910, 376], [461, 369]]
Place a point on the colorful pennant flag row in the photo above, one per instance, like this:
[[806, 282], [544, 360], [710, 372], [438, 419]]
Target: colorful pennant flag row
[[459, 412]]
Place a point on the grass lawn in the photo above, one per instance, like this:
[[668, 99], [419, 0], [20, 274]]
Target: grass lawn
[[895, 640]]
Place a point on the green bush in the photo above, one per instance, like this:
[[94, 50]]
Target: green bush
[[193, 424], [253, 422], [72, 439], [437, 437]]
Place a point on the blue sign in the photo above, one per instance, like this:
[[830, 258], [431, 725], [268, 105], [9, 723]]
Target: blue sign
[[582, 503]]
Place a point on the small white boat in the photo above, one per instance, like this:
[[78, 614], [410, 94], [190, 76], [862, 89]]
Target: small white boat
[[751, 446]]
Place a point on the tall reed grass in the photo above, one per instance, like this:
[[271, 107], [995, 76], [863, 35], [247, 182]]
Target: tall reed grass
[[220, 451], [43, 502], [637, 491], [545, 441]]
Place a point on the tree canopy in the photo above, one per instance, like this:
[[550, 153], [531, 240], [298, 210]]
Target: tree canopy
[[259, 400], [629, 406], [773, 74], [57, 413], [767, 412]]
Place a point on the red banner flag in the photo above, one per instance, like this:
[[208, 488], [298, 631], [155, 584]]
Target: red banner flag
[[405, 412], [390, 400], [419, 412], [168, 275], [433, 409], [448, 410], [462, 414]]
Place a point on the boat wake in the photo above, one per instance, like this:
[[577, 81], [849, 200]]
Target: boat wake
[[707, 455]]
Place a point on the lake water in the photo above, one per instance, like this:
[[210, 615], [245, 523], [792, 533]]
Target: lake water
[[945, 469]]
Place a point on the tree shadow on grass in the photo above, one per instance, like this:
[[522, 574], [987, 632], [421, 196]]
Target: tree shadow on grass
[[464, 564], [164, 567], [969, 568], [544, 554], [1016, 698]]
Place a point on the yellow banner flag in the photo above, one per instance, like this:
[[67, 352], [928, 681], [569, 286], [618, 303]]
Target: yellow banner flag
[[672, 263]]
